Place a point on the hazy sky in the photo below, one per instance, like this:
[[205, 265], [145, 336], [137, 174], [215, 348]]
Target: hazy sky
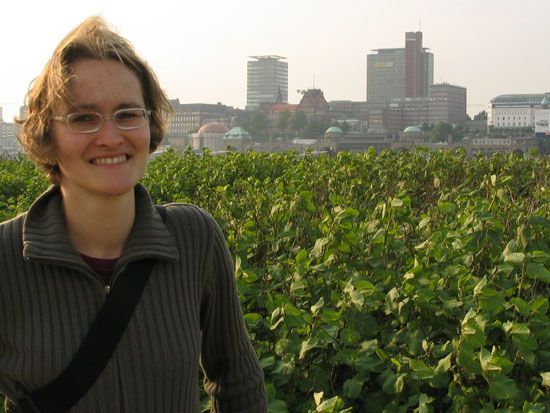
[[199, 49]]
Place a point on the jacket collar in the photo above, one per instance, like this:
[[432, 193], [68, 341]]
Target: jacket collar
[[45, 236]]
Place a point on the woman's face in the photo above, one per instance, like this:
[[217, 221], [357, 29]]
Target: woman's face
[[110, 161]]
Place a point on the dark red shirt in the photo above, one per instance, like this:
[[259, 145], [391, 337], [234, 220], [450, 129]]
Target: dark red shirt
[[102, 266]]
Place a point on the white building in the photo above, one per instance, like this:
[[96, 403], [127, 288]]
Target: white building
[[266, 81], [542, 119], [514, 111]]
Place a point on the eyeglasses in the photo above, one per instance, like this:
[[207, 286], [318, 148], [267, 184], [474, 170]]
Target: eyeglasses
[[90, 122]]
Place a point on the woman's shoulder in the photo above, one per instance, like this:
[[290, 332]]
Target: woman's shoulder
[[179, 209], [11, 242], [189, 215], [15, 223]]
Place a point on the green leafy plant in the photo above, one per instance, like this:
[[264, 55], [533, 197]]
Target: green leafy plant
[[391, 282]]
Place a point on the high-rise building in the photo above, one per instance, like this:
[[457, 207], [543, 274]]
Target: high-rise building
[[267, 81], [413, 64], [447, 104], [400, 72], [385, 75], [9, 145]]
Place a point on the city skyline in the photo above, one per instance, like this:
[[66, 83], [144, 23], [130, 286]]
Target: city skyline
[[200, 51]]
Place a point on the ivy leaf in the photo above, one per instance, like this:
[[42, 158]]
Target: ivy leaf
[[277, 406], [307, 345], [301, 257], [318, 397], [503, 196], [503, 388], [297, 287], [252, 319], [349, 336], [511, 254], [516, 328], [318, 305], [330, 406], [491, 301], [538, 220], [277, 318], [539, 305], [537, 271], [486, 360], [514, 258], [353, 388], [423, 401], [319, 247], [447, 208], [420, 369], [393, 383], [467, 359], [413, 340], [540, 256], [355, 296], [396, 203], [365, 287], [378, 238], [521, 306], [444, 364], [423, 222], [480, 286]]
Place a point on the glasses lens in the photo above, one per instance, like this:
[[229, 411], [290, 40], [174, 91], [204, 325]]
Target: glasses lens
[[130, 118], [84, 122]]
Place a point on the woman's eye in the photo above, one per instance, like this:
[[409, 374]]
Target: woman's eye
[[83, 118], [128, 115]]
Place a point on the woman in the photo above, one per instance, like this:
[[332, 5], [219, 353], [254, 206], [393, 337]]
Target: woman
[[95, 114]]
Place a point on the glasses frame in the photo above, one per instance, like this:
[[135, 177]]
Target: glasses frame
[[66, 119]]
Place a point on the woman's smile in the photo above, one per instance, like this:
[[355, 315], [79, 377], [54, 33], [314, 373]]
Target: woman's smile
[[110, 161], [118, 156]]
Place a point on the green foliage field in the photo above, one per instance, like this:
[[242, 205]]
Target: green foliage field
[[397, 282]]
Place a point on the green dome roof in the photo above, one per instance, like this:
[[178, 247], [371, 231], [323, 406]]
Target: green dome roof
[[545, 101], [412, 129], [237, 133], [334, 131]]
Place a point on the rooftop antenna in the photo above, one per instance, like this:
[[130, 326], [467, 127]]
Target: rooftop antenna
[[313, 80], [419, 25]]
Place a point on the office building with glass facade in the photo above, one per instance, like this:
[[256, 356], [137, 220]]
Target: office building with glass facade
[[266, 81]]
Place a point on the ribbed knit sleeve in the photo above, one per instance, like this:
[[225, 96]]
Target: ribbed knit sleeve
[[189, 312], [234, 378]]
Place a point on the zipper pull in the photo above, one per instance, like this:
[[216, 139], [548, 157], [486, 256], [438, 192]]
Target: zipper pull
[[107, 289]]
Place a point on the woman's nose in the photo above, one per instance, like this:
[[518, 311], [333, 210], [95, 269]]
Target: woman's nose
[[109, 134]]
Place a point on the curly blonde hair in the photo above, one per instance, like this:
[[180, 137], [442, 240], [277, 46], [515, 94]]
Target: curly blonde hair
[[50, 92]]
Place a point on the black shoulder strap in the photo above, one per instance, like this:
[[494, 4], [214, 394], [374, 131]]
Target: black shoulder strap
[[98, 346]]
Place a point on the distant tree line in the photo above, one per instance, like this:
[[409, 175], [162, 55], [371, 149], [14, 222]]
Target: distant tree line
[[287, 124], [295, 124]]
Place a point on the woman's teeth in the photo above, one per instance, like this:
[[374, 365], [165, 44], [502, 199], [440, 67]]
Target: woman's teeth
[[109, 161]]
